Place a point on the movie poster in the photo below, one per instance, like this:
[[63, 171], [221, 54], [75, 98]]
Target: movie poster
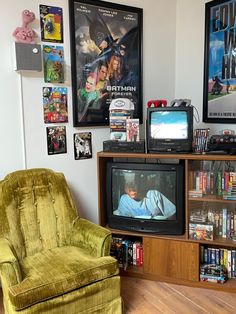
[[107, 61], [220, 63]]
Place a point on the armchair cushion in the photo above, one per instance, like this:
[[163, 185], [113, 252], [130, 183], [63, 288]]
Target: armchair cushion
[[54, 272]]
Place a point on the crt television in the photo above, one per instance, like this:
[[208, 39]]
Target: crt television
[[157, 204], [169, 129]]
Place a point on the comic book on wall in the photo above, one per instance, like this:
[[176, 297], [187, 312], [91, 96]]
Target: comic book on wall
[[51, 23], [55, 104], [53, 63]]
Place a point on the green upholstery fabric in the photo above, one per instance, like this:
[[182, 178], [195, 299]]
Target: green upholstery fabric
[[51, 260]]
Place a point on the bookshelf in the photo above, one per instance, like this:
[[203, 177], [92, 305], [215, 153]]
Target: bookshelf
[[177, 259]]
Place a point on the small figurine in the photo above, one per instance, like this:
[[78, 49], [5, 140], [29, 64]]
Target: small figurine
[[25, 34]]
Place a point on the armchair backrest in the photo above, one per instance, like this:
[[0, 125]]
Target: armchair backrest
[[36, 210]]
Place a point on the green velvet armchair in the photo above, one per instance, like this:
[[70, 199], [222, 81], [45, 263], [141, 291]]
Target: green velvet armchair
[[51, 260]]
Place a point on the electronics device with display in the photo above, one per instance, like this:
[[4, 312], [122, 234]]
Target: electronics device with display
[[169, 129], [159, 189]]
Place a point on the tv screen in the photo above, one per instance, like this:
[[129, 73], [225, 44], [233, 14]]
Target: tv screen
[[145, 197], [169, 124], [169, 129]]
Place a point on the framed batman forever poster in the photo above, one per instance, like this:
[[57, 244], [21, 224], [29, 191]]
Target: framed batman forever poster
[[106, 59]]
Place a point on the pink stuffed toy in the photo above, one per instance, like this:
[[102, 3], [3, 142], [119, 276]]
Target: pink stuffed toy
[[25, 34]]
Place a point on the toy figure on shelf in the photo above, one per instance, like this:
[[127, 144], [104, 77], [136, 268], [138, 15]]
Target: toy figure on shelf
[[25, 34]]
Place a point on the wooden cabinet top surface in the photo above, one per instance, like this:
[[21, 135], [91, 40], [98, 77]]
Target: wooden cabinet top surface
[[168, 156]]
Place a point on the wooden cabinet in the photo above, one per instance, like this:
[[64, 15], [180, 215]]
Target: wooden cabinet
[[170, 258], [177, 259]]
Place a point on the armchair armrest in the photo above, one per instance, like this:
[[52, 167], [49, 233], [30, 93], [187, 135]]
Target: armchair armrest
[[92, 237], [9, 266]]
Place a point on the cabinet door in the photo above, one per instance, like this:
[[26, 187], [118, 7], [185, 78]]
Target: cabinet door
[[169, 258]]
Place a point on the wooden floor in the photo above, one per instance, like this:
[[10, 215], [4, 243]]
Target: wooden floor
[[150, 297]]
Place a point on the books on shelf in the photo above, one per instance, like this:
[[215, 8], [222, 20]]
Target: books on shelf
[[213, 273], [220, 183], [201, 231], [118, 128], [220, 257], [123, 128], [200, 140], [127, 252], [223, 221], [132, 129], [198, 216], [195, 193]]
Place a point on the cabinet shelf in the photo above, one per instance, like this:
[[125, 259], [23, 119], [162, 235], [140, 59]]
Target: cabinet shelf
[[147, 235], [221, 242], [211, 198], [170, 258], [228, 286], [132, 270]]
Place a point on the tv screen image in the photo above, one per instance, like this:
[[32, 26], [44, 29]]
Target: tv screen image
[[169, 124], [138, 194], [169, 129], [145, 197]]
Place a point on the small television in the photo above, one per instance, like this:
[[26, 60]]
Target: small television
[[169, 129], [145, 197]]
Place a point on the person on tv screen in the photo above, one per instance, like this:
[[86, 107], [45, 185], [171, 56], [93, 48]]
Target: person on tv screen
[[153, 204]]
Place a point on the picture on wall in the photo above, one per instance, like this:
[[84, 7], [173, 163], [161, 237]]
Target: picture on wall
[[51, 23], [219, 100], [56, 140], [53, 64], [55, 104], [83, 145], [106, 59]]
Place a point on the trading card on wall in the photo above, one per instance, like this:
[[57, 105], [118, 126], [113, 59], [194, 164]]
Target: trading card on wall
[[83, 145], [56, 140], [53, 64], [55, 104], [51, 23]]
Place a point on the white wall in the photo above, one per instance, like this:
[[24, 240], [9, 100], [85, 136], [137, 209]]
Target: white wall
[[11, 123], [158, 81], [173, 32]]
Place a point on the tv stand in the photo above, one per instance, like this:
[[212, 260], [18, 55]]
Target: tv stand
[[176, 259]]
